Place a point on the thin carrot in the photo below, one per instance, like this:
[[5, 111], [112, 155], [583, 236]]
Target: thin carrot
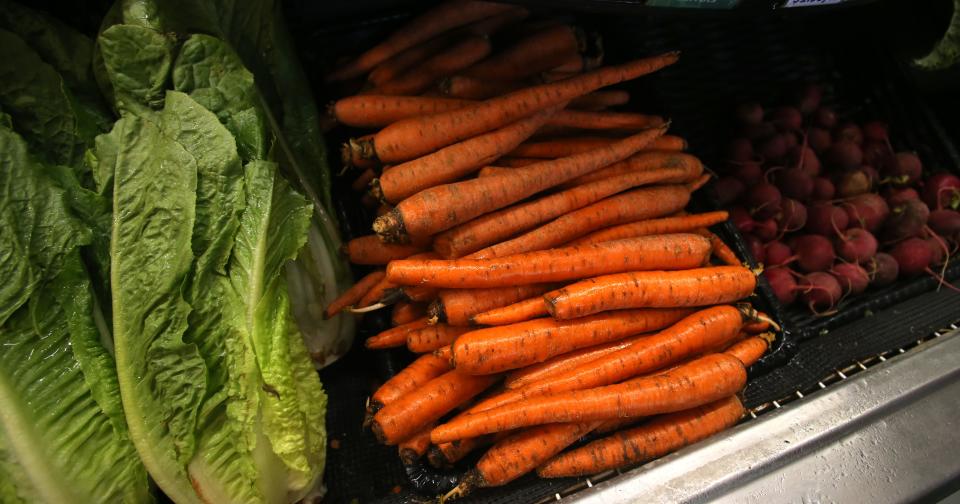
[[360, 183], [491, 171], [721, 250], [415, 446], [540, 51], [496, 349], [520, 311], [560, 147], [517, 162], [395, 336], [572, 63], [759, 326], [402, 418], [354, 293], [448, 61], [469, 88], [457, 306], [692, 287], [412, 377], [601, 99], [443, 207], [444, 455], [610, 426], [455, 161], [435, 21], [643, 161], [678, 224], [407, 311], [375, 111], [418, 293], [563, 363], [750, 350], [377, 293], [414, 137], [643, 203], [675, 251], [653, 439], [370, 250], [433, 337], [407, 59], [607, 120]]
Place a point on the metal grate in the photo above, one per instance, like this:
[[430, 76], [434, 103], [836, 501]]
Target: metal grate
[[836, 376]]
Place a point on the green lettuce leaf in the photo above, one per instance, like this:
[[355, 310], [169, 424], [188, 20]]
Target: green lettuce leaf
[[138, 62]]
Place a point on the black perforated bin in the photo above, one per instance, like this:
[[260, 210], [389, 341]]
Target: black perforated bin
[[858, 53]]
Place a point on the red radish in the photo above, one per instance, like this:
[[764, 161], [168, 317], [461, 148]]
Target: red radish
[[875, 131], [906, 169], [795, 183], [849, 131], [906, 221], [750, 173], [783, 285], [897, 196], [804, 159], [844, 154], [938, 250], [856, 245], [728, 189], [766, 229], [792, 216], [883, 270], [826, 219], [750, 113], [755, 246], [777, 253], [740, 150], [764, 200], [790, 140], [759, 132], [809, 99], [774, 148], [825, 118], [819, 139], [821, 291], [742, 219], [823, 189], [852, 277], [814, 253], [872, 174], [787, 119], [853, 183], [867, 211], [913, 256], [942, 191], [945, 223], [876, 153]]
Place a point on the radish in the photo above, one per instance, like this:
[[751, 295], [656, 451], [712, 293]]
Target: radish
[[852, 277], [804, 159], [875, 131], [849, 131], [883, 270], [774, 148], [790, 140], [942, 191], [809, 99], [763, 200], [856, 245], [728, 189], [740, 150], [913, 256], [867, 211], [760, 131], [750, 113], [844, 154], [876, 154], [741, 219], [755, 246], [777, 253], [897, 196], [825, 118], [792, 216], [906, 221], [795, 183], [945, 223], [823, 189], [814, 253], [819, 139], [938, 250], [787, 119], [821, 291], [783, 285], [853, 184], [766, 229], [904, 170], [749, 172], [872, 175], [826, 219]]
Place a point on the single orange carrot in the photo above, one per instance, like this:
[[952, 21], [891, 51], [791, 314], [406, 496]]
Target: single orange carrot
[[408, 58], [674, 251], [721, 250], [446, 16], [469, 88], [414, 447], [568, 146], [445, 455], [759, 326], [457, 306], [497, 349], [601, 99], [678, 224], [370, 250], [750, 350], [653, 439], [454, 161], [395, 336], [521, 311], [418, 293], [490, 171], [407, 311], [377, 293], [692, 287], [412, 377], [540, 51], [354, 293], [414, 137], [607, 120], [432, 337], [573, 63], [643, 161], [643, 203], [402, 418], [375, 111], [448, 61]]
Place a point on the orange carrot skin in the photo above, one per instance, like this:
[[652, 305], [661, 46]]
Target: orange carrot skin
[[698, 382], [517, 162], [653, 439], [520, 311], [497, 349], [419, 372], [469, 88], [457, 306], [568, 146], [354, 293], [721, 250], [639, 289], [433, 337], [642, 161], [406, 59], [678, 224], [446, 454], [700, 332], [406, 311], [601, 99], [376, 111], [563, 363], [449, 61], [445, 353], [607, 120], [370, 250], [402, 418], [415, 446], [676, 251], [535, 53], [636, 204], [749, 350], [395, 336], [394, 144]]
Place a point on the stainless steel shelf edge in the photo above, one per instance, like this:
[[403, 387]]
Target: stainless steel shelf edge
[[888, 434]]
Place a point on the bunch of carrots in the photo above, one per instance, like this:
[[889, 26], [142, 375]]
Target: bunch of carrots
[[535, 252]]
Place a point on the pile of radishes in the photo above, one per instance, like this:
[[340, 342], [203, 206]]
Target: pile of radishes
[[829, 207]]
